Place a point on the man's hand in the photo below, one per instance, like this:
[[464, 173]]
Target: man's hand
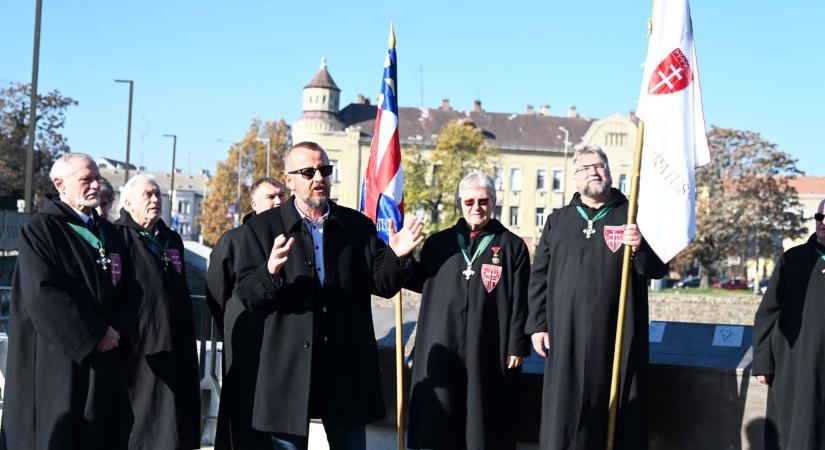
[[764, 379], [632, 237], [403, 242], [541, 343], [277, 257], [109, 341], [513, 361]]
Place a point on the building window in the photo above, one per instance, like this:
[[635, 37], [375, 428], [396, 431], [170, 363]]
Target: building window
[[615, 139], [183, 207], [497, 212], [514, 216], [541, 175], [515, 179], [434, 177], [623, 183], [557, 180], [539, 217], [498, 180], [336, 176]]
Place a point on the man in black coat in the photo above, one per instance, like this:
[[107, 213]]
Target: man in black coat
[[164, 383], [789, 343], [72, 299], [311, 266], [573, 298], [241, 330], [470, 339]]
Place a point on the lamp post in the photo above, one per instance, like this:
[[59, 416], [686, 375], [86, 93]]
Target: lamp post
[[238, 199], [128, 126], [172, 190], [266, 139], [564, 172], [28, 188]]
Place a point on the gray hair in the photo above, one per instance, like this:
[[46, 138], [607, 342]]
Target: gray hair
[[106, 189], [477, 179], [62, 167], [130, 188], [591, 150]]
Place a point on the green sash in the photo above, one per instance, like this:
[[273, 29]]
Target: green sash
[[605, 211], [97, 242], [485, 241]]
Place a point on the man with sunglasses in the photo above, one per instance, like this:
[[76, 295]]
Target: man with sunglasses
[[311, 266], [574, 299], [789, 345]]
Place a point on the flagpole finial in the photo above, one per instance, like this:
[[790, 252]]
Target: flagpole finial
[[323, 62], [392, 35]]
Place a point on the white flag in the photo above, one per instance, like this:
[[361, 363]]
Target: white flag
[[675, 143]]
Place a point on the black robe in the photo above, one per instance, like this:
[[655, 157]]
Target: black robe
[[789, 345], [242, 331], [463, 395], [60, 392], [574, 295], [164, 385]]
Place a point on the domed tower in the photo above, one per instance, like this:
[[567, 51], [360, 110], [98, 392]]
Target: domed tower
[[320, 105]]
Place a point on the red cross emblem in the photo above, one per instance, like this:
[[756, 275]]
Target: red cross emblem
[[613, 235], [174, 256], [116, 268], [671, 75], [490, 274]]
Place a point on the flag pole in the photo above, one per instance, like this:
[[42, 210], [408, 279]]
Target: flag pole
[[617, 348]]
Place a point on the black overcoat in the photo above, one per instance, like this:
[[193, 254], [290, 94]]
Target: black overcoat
[[61, 393], [463, 395], [242, 331], [574, 295], [164, 385], [789, 345], [357, 264]]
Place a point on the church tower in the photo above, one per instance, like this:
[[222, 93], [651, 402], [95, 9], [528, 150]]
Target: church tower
[[320, 106]]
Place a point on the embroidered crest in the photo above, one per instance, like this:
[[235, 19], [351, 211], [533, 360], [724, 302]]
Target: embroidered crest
[[116, 268], [490, 275], [495, 250], [174, 257], [671, 75], [613, 235]]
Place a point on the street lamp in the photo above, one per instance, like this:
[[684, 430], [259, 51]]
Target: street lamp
[[29, 186], [266, 139], [172, 191], [238, 199], [564, 172], [128, 126]]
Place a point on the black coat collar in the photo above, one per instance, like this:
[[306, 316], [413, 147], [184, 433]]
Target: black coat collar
[[58, 208], [291, 217], [127, 221]]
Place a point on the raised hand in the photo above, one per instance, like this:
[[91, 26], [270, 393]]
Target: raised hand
[[403, 242], [278, 255]]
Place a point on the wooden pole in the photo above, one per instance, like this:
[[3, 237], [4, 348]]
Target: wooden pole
[[617, 348], [399, 371]]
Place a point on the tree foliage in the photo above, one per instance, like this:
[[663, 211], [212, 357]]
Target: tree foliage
[[15, 103], [223, 190], [745, 204], [430, 184]]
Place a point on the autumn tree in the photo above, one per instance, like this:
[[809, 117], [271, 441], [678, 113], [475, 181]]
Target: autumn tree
[[430, 184], [15, 101], [745, 204], [223, 196]]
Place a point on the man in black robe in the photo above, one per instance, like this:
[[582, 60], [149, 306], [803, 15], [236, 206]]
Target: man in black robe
[[241, 330], [72, 299], [164, 383], [470, 339], [573, 297], [788, 344], [310, 266]]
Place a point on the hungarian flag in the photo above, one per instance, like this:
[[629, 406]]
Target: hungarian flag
[[382, 198], [675, 143]]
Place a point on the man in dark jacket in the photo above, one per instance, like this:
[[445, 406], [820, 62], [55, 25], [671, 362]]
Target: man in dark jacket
[[241, 330], [164, 383], [72, 299], [311, 266], [788, 337]]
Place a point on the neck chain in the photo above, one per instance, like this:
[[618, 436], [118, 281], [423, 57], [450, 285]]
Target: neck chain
[[485, 241], [588, 232]]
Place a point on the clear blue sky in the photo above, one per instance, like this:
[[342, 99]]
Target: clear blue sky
[[203, 69]]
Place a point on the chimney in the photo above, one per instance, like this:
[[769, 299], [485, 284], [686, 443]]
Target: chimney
[[632, 116], [205, 172], [529, 110], [477, 106], [545, 110], [361, 100], [571, 111], [445, 105]]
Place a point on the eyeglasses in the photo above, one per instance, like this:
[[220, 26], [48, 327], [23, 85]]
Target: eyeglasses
[[469, 202], [819, 216], [586, 168], [309, 172]]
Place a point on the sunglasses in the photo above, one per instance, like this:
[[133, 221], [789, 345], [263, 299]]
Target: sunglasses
[[309, 172], [819, 216], [481, 202]]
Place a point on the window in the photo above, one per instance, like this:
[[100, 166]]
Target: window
[[515, 179], [434, 177], [497, 212], [514, 216], [539, 217], [498, 180], [558, 182], [623, 183], [541, 175], [336, 176], [183, 207], [614, 139]]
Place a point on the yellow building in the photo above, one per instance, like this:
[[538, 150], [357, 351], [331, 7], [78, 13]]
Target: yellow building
[[533, 172]]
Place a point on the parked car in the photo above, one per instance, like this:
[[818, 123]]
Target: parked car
[[731, 283], [763, 285], [689, 282]]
